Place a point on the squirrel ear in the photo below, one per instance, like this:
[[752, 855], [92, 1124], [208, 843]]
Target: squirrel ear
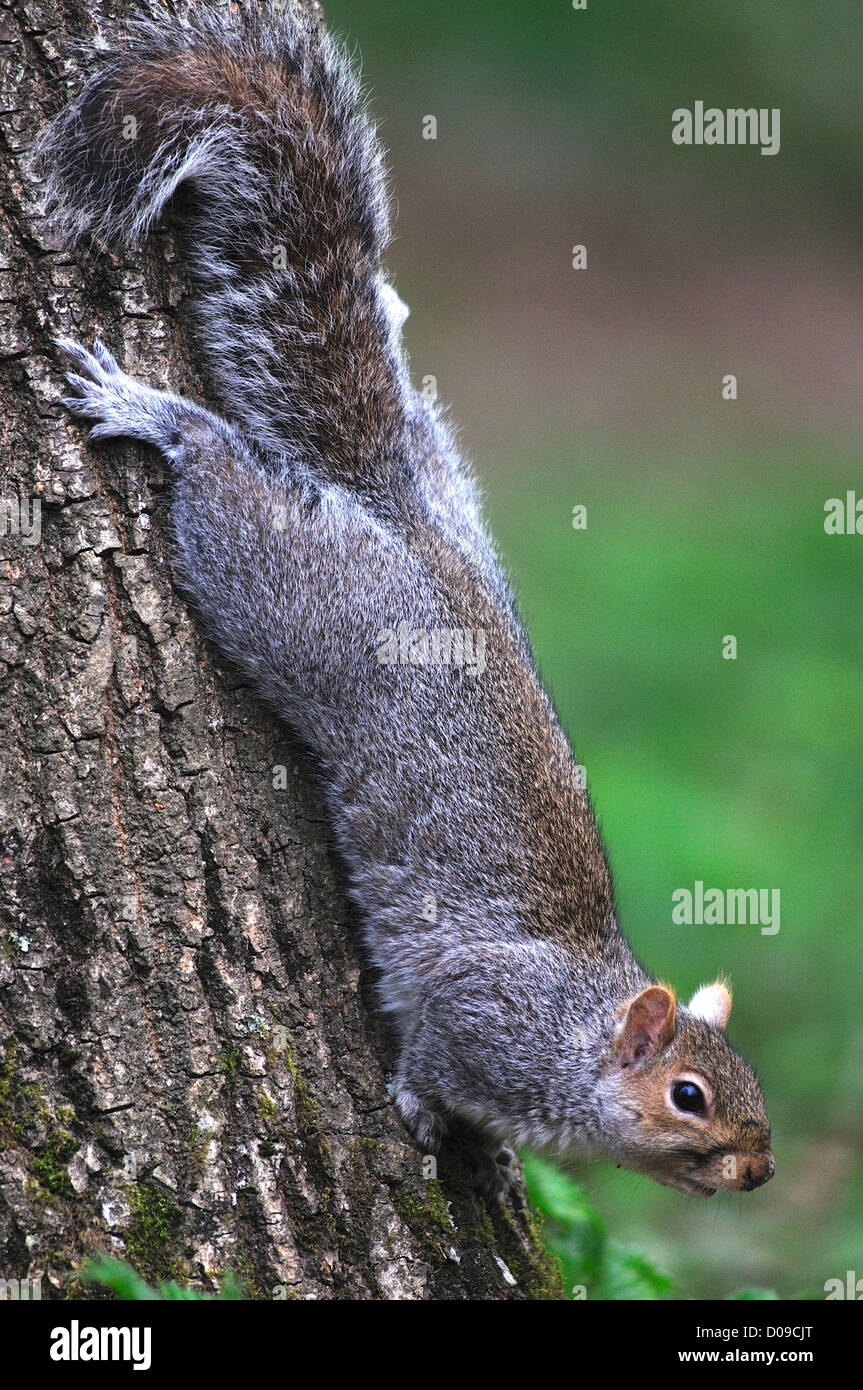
[[712, 1003], [648, 1026]]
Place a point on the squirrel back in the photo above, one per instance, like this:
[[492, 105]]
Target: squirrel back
[[332, 542]]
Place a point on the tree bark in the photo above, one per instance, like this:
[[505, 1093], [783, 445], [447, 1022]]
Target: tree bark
[[191, 1073]]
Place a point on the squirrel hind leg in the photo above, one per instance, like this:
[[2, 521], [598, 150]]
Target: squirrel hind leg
[[493, 1166], [119, 406]]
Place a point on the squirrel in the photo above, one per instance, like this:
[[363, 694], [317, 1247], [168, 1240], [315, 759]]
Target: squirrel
[[324, 515]]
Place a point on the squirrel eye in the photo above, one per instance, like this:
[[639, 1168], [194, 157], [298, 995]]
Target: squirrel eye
[[689, 1097]]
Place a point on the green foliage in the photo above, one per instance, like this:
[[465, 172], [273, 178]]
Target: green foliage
[[127, 1284], [595, 1265], [578, 1236]]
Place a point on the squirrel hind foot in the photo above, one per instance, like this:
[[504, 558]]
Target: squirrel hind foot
[[493, 1166], [494, 1169]]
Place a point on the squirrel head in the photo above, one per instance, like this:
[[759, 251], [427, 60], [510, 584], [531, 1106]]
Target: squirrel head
[[685, 1108]]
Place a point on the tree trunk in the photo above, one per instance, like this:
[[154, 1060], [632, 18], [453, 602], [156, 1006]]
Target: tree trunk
[[191, 1076]]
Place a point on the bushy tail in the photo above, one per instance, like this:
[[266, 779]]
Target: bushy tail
[[258, 120]]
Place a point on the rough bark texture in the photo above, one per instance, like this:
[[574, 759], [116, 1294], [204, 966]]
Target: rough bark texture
[[190, 1073]]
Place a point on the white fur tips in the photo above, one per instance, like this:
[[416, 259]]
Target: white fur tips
[[396, 309], [712, 1004]]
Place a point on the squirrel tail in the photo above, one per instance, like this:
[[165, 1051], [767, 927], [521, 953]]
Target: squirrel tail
[[256, 122]]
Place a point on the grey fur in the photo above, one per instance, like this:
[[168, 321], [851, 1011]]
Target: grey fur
[[314, 522]]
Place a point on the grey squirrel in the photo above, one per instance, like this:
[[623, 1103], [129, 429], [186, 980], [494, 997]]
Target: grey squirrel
[[331, 507]]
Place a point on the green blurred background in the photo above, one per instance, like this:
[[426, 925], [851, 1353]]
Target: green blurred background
[[705, 518]]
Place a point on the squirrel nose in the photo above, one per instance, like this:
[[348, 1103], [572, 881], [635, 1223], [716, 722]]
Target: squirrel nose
[[758, 1171]]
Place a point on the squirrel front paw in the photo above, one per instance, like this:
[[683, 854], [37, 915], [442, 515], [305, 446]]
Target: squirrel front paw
[[493, 1166], [122, 406], [426, 1125]]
